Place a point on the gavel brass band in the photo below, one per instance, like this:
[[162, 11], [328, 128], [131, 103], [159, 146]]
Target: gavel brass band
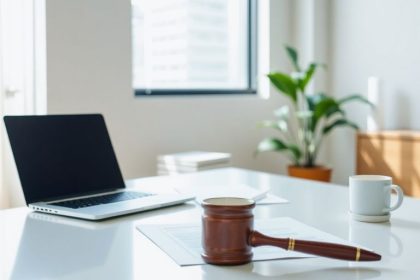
[[228, 236], [292, 242]]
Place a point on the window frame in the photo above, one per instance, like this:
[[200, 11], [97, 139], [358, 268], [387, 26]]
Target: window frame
[[251, 62]]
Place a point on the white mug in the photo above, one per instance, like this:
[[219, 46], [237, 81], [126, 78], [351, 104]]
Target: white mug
[[370, 195]]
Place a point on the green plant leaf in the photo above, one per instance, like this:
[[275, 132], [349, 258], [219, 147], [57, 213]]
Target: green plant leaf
[[282, 112], [276, 145], [271, 144], [325, 106], [305, 77], [304, 114], [293, 56], [355, 97], [314, 99], [339, 122], [308, 76], [279, 125], [335, 110], [284, 83]]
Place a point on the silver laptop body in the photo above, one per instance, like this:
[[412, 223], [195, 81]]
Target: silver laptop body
[[67, 166], [104, 211]]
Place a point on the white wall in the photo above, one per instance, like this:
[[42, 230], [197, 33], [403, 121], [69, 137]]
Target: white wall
[[374, 38], [17, 83], [89, 55], [310, 32], [89, 70]]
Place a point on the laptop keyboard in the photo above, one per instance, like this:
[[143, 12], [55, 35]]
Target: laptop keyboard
[[103, 199]]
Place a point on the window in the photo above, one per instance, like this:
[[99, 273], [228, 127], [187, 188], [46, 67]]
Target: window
[[194, 46]]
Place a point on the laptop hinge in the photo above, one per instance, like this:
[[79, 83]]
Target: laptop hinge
[[75, 196]]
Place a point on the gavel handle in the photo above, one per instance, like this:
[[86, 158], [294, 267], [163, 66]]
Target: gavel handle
[[324, 249]]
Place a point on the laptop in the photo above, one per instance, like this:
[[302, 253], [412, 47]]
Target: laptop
[[67, 166]]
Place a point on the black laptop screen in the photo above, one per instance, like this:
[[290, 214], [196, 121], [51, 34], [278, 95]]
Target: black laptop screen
[[62, 155]]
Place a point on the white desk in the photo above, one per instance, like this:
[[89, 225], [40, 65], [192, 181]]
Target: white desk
[[35, 246]]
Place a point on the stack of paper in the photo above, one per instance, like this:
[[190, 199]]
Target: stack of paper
[[239, 190], [191, 162]]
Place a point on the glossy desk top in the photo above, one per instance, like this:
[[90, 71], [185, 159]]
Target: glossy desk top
[[42, 246]]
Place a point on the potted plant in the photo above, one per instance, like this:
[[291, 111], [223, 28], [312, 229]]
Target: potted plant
[[303, 125]]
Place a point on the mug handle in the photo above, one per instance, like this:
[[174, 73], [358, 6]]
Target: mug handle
[[400, 197]]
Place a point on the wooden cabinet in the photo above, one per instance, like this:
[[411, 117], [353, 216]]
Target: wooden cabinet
[[391, 153]]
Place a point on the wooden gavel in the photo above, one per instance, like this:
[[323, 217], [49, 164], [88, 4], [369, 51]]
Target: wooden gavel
[[228, 236]]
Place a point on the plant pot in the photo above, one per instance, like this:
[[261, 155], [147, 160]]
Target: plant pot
[[317, 173]]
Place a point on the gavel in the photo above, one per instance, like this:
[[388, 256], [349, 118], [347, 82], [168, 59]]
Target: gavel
[[228, 236]]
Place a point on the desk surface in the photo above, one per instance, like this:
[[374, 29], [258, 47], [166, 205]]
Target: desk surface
[[34, 245]]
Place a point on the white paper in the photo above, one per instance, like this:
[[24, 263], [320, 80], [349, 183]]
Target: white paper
[[182, 242], [261, 196], [271, 199], [194, 158]]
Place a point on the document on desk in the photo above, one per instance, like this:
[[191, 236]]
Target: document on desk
[[261, 196], [182, 242]]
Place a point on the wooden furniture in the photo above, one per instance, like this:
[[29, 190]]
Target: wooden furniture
[[42, 246], [391, 153]]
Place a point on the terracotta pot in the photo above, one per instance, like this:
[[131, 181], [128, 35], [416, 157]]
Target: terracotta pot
[[318, 173]]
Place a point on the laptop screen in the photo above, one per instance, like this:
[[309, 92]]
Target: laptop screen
[[62, 155]]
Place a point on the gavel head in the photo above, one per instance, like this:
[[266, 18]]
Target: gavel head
[[227, 224]]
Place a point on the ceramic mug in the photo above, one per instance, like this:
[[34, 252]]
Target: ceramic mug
[[370, 197]]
